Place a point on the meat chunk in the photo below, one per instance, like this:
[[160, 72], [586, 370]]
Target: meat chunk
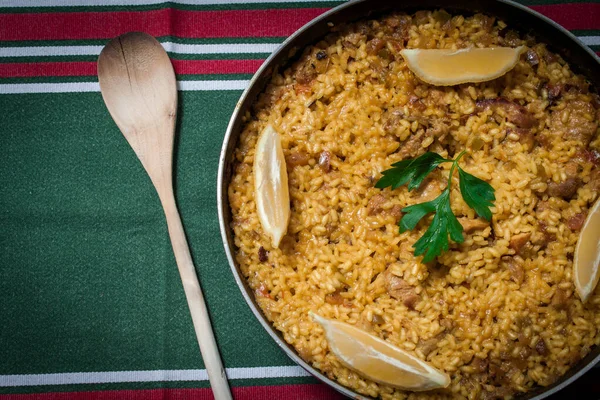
[[374, 45], [559, 299], [554, 91], [509, 37], [410, 300], [479, 364], [416, 103], [412, 146], [575, 223], [565, 189], [302, 88], [577, 121], [557, 90], [429, 345], [518, 241], [517, 272], [437, 128], [305, 73], [595, 179], [470, 225], [334, 298], [541, 347], [500, 392], [515, 113], [587, 156], [523, 353], [325, 161], [526, 137], [396, 211], [447, 323], [402, 30], [380, 70], [375, 203], [263, 255], [391, 118], [400, 290], [353, 39], [297, 158], [546, 237]]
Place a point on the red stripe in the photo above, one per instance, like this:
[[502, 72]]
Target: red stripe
[[88, 68], [573, 15], [180, 23], [288, 392], [205, 24]]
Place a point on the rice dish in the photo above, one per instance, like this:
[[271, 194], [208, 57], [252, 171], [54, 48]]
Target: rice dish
[[499, 312]]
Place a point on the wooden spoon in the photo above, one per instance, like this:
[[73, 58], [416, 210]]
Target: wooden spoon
[[139, 88]]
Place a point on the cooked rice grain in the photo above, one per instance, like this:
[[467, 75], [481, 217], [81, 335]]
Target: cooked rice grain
[[499, 318]]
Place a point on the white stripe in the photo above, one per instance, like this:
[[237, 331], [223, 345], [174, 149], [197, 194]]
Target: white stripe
[[590, 40], [76, 87], [211, 85], [178, 48], [88, 3], [65, 87], [76, 378]]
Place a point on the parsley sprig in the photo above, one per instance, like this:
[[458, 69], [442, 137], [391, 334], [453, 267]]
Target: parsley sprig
[[478, 194]]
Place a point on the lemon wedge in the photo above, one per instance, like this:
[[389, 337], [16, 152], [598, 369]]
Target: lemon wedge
[[587, 255], [378, 360], [271, 185], [447, 67]]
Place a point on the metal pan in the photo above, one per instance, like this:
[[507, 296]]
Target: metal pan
[[519, 17]]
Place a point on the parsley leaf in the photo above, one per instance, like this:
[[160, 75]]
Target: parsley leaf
[[411, 171], [435, 239], [478, 194]]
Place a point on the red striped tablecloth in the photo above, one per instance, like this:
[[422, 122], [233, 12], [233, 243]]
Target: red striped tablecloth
[[91, 305]]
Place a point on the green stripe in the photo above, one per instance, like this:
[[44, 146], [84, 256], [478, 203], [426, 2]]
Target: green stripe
[[547, 2], [174, 39], [214, 77], [586, 32], [187, 7]]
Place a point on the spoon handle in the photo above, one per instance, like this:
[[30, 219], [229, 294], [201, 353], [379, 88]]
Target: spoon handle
[[196, 304]]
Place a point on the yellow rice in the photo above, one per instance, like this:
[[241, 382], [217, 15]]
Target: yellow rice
[[490, 329]]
